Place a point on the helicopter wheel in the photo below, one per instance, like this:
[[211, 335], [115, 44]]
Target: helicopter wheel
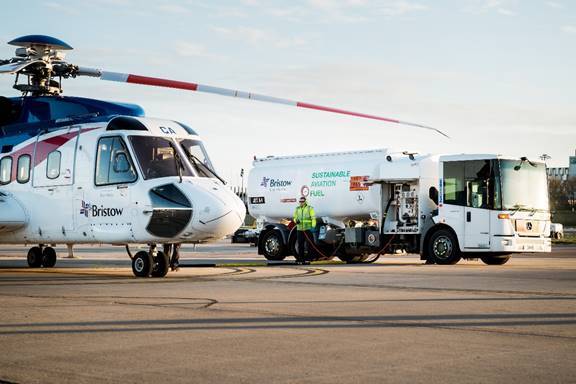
[[48, 257], [142, 264], [161, 265], [34, 257]]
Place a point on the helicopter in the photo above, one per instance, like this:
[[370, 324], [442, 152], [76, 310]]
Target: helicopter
[[75, 170]]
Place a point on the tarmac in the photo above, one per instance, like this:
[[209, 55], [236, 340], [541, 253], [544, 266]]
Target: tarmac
[[227, 317]]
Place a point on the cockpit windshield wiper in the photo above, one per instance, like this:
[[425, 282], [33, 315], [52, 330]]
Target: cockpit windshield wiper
[[522, 160], [179, 162], [198, 163]]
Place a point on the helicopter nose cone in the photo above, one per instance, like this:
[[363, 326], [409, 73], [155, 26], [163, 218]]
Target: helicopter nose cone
[[219, 211]]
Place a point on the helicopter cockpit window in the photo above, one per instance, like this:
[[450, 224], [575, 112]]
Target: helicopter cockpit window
[[113, 162], [157, 157], [198, 158]]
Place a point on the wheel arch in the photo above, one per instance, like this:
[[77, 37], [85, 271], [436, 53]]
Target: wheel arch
[[283, 229], [426, 238]]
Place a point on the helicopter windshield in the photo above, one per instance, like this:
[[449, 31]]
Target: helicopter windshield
[[158, 157], [198, 157]]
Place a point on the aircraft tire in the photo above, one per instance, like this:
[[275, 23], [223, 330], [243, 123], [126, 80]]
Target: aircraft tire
[[161, 265], [34, 257], [48, 257], [142, 264]]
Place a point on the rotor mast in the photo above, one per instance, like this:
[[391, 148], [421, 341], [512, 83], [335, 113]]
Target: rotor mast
[[40, 59]]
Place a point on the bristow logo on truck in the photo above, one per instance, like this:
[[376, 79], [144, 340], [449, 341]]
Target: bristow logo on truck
[[95, 211], [274, 183]]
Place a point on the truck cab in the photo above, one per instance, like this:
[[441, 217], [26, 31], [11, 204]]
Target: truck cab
[[493, 206]]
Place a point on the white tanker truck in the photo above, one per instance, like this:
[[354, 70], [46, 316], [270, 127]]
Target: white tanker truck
[[444, 207]]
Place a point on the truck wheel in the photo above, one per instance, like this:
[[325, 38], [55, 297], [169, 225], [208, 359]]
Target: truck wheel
[[273, 246], [352, 259], [495, 260], [443, 247]]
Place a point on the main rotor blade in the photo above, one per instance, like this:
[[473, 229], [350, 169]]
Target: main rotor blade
[[15, 67], [153, 81]]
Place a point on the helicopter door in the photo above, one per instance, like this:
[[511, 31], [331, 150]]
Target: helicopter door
[[54, 159], [107, 208]]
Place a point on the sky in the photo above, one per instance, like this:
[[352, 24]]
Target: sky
[[498, 76]]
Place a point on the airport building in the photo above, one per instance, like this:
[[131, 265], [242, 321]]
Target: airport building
[[563, 173]]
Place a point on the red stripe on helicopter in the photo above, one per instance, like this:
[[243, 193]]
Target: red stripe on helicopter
[[344, 112], [43, 148], [135, 79]]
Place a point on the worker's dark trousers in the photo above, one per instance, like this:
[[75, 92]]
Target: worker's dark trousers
[[303, 246]]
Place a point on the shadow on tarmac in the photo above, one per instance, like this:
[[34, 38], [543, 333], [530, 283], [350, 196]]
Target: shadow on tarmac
[[291, 322]]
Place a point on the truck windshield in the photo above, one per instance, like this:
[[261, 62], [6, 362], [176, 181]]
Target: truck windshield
[[524, 185], [157, 157], [199, 159]]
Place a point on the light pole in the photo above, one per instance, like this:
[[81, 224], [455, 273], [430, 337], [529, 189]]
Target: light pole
[[242, 195]]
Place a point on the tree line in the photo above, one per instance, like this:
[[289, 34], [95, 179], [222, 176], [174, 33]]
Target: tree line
[[562, 194]]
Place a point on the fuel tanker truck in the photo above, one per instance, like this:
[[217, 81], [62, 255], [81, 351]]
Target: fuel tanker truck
[[444, 207]]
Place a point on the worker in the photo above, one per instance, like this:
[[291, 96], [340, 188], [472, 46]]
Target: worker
[[305, 219]]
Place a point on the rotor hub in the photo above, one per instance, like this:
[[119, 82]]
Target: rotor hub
[[41, 60]]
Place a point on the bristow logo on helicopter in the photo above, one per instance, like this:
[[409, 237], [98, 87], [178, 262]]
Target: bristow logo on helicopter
[[95, 211]]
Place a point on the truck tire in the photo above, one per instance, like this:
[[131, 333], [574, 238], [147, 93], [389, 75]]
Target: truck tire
[[353, 259], [443, 247], [495, 260], [273, 246]]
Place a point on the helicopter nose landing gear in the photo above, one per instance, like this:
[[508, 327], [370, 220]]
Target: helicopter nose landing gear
[[150, 264], [173, 253], [41, 257]]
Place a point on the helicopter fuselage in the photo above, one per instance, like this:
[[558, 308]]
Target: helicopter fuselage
[[107, 178]]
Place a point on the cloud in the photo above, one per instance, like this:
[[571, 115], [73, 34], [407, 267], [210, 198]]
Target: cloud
[[569, 29], [256, 36], [339, 11], [553, 4], [173, 9], [61, 8], [502, 7], [187, 49]]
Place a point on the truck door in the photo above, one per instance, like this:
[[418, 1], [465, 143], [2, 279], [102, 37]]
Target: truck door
[[477, 212]]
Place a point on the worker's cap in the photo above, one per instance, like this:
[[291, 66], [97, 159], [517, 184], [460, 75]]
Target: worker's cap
[[302, 199]]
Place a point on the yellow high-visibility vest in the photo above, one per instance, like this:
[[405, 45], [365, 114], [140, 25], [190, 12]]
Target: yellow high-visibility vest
[[306, 216]]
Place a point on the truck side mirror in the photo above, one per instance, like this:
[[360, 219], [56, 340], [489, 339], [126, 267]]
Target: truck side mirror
[[433, 195]]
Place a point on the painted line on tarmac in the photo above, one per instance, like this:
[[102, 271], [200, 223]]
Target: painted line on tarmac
[[54, 277]]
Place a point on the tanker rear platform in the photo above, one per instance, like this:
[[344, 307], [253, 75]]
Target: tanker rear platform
[[233, 319]]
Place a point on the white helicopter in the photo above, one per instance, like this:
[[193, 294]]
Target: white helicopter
[[81, 171]]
